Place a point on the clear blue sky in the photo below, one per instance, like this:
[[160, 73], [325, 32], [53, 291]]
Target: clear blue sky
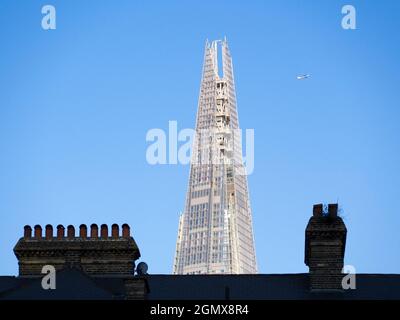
[[76, 103]]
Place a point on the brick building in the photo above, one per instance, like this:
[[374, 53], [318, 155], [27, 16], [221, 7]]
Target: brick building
[[88, 266], [101, 266]]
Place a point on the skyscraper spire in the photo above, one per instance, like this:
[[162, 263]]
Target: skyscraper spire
[[215, 230]]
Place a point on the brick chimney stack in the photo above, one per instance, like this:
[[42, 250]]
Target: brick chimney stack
[[106, 255], [324, 248]]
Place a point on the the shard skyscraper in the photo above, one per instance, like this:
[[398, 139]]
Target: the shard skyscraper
[[215, 230]]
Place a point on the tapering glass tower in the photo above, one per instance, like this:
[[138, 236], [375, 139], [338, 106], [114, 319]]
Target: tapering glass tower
[[215, 230]]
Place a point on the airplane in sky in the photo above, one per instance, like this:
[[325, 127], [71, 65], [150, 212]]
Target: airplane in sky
[[303, 76]]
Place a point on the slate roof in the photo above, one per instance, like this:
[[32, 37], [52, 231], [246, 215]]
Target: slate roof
[[71, 284], [266, 287], [74, 284]]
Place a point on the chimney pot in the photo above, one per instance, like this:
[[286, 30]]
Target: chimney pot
[[60, 231], [104, 231], [27, 232], [317, 210], [49, 232], [333, 210], [115, 231], [70, 232], [94, 231], [38, 232], [83, 231], [126, 232]]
